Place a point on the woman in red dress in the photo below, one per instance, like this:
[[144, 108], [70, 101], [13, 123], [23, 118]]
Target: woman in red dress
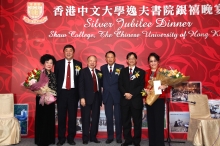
[[155, 112]]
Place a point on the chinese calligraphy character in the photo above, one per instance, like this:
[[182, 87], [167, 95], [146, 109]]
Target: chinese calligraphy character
[[95, 11], [58, 10], [168, 10], [206, 9], [194, 9], [131, 11], [70, 11], [119, 10], [83, 10], [107, 10], [144, 10], [181, 10], [217, 9], [156, 10]]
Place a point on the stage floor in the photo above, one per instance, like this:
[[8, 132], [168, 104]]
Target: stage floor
[[30, 142]]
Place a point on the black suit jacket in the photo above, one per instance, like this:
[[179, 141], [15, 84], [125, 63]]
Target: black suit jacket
[[86, 86], [133, 87], [59, 71]]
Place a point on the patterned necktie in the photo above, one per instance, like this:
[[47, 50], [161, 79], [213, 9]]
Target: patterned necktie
[[130, 73], [94, 81], [110, 70], [68, 77]]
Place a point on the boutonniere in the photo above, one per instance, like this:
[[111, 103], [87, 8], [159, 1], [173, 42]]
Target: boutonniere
[[99, 75], [117, 71], [77, 68], [136, 75]]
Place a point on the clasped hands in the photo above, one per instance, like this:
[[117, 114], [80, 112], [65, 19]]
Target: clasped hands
[[128, 96]]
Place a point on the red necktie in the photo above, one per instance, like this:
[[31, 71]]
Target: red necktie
[[94, 81], [68, 77], [130, 73], [110, 70]]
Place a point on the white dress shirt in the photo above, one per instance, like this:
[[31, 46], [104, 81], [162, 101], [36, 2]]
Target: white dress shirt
[[71, 74], [132, 69], [112, 67]]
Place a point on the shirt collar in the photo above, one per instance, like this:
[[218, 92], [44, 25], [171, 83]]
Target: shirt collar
[[111, 66], [91, 69], [71, 61], [132, 68]]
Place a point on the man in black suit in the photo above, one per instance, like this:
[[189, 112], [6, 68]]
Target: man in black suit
[[91, 99], [67, 73], [111, 96], [131, 82]]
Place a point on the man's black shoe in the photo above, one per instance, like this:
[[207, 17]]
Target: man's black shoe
[[126, 144], [119, 141], [108, 141], [85, 142], [71, 143], [95, 141], [60, 143]]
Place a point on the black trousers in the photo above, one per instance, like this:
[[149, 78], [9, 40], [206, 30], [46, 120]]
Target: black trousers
[[67, 103], [155, 120], [128, 112], [90, 128]]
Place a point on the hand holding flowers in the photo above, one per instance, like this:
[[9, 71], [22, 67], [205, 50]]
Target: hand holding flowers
[[37, 81], [168, 77], [32, 78]]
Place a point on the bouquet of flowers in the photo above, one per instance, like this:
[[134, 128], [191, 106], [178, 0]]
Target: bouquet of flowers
[[37, 81], [168, 77]]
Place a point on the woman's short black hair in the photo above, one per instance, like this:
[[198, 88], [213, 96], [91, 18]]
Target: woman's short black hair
[[69, 46], [131, 53], [157, 57], [47, 57]]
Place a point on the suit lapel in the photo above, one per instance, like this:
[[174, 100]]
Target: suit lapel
[[74, 64], [127, 73], [113, 71], [135, 70], [107, 73], [62, 68], [98, 79], [96, 71], [89, 73]]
